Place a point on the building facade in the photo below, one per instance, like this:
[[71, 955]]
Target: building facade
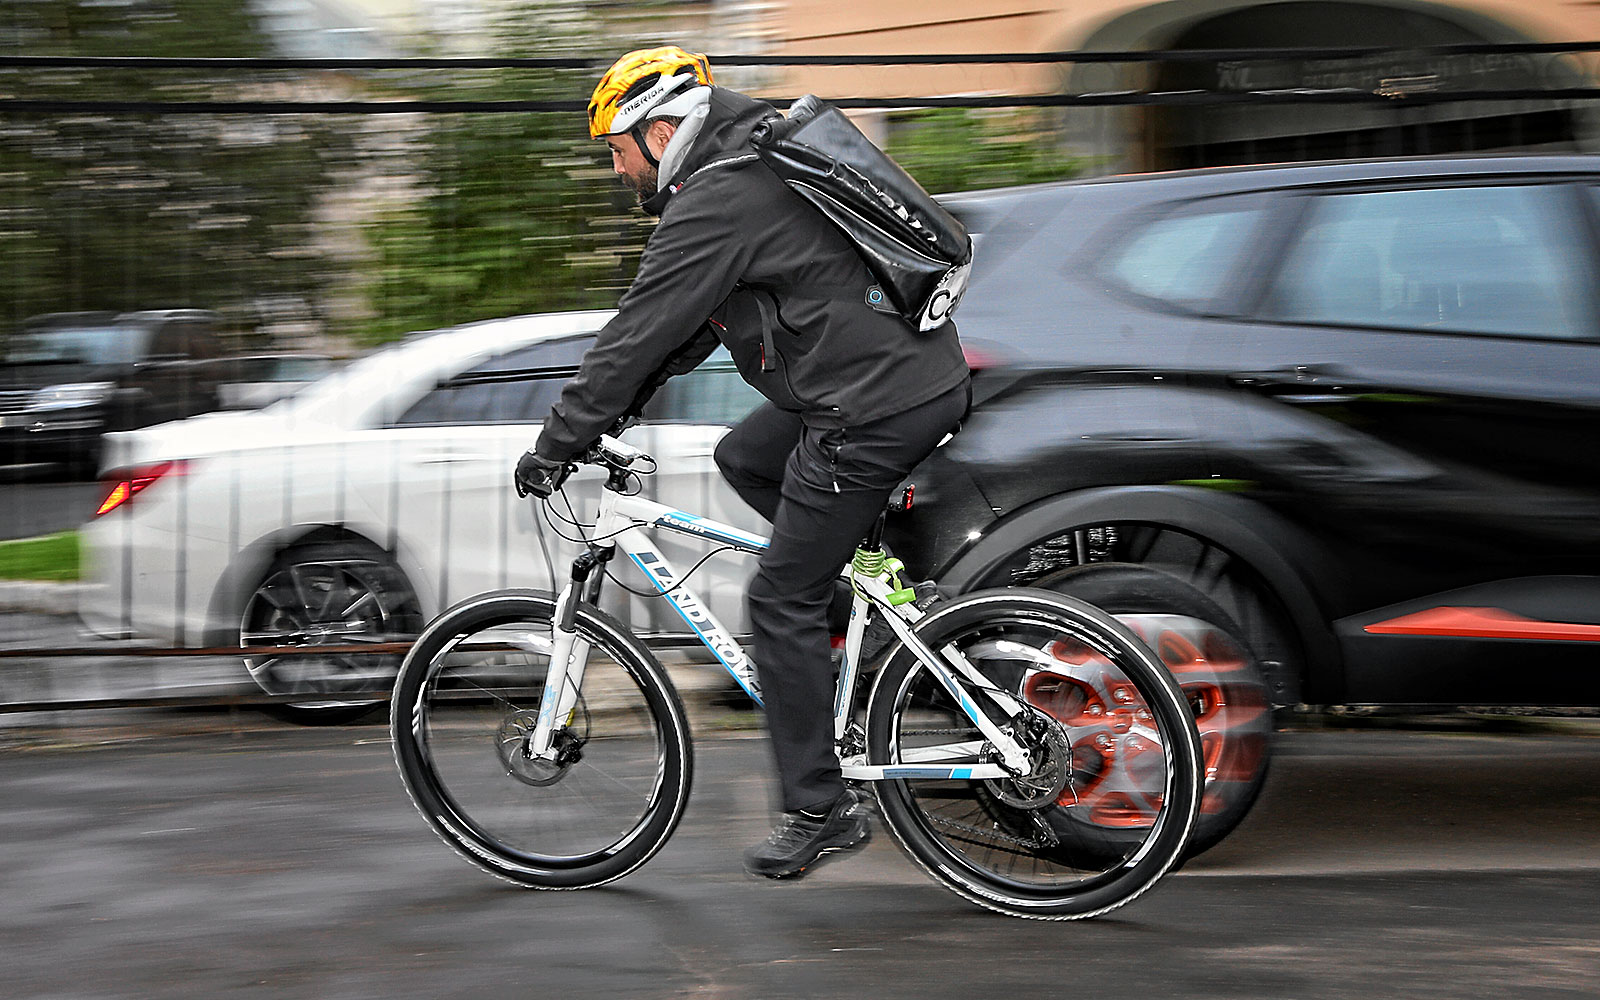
[[1165, 137]]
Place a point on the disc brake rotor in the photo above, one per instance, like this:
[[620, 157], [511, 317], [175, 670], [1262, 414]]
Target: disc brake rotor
[[1051, 752], [511, 743]]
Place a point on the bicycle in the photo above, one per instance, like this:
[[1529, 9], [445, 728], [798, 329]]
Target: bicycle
[[1026, 749]]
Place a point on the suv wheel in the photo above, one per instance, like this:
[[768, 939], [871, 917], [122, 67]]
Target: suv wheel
[[1200, 645]]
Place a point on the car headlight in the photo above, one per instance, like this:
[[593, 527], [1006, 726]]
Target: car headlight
[[69, 395]]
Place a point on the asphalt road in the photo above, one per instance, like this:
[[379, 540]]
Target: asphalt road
[[32, 504], [202, 855]]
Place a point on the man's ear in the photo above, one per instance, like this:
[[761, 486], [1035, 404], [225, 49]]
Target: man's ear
[[662, 132]]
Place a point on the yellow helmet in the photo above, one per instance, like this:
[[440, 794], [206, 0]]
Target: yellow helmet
[[638, 82]]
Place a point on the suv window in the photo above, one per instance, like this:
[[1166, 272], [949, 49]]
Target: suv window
[[1486, 260], [98, 345], [517, 387], [1185, 258], [171, 341]]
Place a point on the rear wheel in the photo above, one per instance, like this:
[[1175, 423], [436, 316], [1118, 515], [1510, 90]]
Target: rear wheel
[[465, 705], [1197, 641], [1112, 742]]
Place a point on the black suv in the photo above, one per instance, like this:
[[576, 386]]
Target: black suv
[[1349, 412], [70, 377]]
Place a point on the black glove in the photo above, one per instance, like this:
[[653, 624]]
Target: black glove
[[539, 476]]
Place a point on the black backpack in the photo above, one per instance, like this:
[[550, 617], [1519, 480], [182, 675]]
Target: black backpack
[[919, 253]]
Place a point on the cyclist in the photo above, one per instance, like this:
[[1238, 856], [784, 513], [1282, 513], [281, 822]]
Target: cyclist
[[856, 396]]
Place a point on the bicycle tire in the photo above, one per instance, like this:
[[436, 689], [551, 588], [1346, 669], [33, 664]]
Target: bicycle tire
[[1030, 859], [468, 692]]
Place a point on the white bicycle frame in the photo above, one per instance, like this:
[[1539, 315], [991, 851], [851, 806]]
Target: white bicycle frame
[[624, 522]]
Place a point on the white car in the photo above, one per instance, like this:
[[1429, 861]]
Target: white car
[[375, 498]]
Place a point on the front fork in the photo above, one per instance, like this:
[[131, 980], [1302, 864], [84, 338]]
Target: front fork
[[569, 654]]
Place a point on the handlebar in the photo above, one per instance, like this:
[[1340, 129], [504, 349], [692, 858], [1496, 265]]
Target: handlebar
[[609, 451], [624, 463]]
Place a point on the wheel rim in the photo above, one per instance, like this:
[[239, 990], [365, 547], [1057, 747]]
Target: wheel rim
[[1230, 708], [1012, 847], [470, 715], [339, 602]]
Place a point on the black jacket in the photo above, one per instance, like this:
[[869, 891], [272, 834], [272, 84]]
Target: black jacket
[[732, 233]]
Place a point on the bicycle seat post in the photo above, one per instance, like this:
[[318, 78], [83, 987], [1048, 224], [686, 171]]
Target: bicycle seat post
[[874, 538]]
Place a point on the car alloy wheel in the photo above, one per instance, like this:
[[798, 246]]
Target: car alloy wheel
[[328, 594], [1197, 641]]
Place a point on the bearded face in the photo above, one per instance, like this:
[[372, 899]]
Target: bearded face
[[643, 182], [633, 170]]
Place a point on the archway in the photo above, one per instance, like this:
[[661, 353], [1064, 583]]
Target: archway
[[1169, 138]]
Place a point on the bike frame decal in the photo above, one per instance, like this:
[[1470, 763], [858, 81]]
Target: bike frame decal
[[693, 524], [895, 772], [927, 772], [722, 645]]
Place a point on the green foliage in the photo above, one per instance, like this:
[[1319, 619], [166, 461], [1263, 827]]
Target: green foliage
[[957, 149], [130, 27], [125, 211], [518, 212], [517, 218], [49, 557]]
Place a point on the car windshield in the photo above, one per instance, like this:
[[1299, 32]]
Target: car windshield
[[84, 345]]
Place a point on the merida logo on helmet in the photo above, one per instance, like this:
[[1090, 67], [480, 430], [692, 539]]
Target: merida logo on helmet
[[646, 99]]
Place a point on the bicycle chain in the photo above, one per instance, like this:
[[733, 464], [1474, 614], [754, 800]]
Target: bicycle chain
[[973, 832], [989, 835]]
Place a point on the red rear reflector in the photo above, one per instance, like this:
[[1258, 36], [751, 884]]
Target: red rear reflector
[[125, 484]]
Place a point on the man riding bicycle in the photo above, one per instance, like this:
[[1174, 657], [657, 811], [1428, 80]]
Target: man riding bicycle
[[856, 396]]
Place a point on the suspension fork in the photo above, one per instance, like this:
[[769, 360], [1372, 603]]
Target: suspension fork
[[569, 653]]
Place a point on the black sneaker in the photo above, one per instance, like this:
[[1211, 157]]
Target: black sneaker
[[799, 840], [879, 634]]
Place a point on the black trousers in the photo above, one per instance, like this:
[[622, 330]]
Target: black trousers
[[821, 489]]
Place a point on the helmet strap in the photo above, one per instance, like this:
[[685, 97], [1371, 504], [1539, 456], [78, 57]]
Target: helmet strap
[[644, 147]]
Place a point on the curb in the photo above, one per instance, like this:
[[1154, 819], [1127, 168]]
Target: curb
[[42, 598]]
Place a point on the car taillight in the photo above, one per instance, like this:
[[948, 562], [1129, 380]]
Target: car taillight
[[123, 485], [978, 358]]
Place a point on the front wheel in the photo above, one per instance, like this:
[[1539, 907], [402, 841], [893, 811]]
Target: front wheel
[[465, 704], [1112, 741]]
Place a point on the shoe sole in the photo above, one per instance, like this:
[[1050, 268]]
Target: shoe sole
[[825, 853]]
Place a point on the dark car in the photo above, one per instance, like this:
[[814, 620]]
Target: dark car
[[1348, 411], [70, 377]]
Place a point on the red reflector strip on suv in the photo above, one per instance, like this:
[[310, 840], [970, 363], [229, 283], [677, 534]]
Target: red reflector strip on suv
[[125, 484], [1483, 623]]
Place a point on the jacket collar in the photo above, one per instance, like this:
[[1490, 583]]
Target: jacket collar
[[697, 107], [724, 130]]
